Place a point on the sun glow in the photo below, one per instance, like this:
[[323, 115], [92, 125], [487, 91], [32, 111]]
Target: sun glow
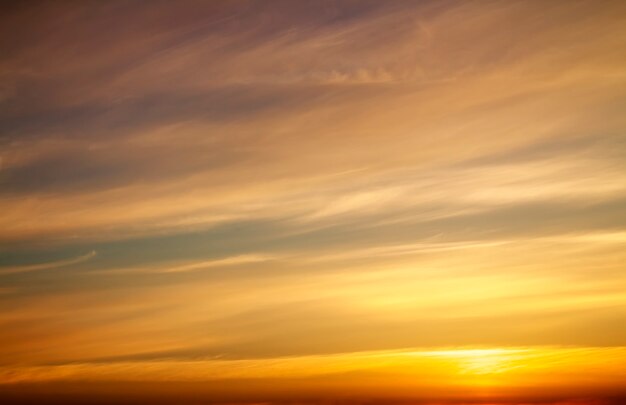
[[457, 373], [480, 361]]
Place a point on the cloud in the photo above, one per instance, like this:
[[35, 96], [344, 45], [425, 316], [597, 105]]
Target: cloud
[[47, 266], [270, 179]]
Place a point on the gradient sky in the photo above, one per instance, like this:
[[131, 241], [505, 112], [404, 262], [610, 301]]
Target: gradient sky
[[313, 200]]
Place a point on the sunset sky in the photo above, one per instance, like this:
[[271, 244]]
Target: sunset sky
[[313, 202]]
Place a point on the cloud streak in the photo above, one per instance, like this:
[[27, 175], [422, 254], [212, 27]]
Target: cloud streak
[[49, 265]]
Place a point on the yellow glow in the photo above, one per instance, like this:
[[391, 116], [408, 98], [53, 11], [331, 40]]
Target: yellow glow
[[456, 366], [480, 361]]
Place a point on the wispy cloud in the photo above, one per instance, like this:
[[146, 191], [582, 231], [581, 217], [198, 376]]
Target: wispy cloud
[[48, 265], [264, 179]]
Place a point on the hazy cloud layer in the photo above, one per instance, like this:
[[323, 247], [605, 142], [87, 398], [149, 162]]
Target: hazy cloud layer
[[256, 179]]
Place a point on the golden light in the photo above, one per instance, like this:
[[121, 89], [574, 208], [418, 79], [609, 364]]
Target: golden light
[[480, 361]]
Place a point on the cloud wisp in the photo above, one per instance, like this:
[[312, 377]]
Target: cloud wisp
[[47, 266]]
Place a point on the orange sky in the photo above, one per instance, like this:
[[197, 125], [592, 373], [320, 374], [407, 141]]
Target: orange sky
[[313, 201]]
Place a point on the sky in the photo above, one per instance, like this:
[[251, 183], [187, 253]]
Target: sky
[[313, 202]]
